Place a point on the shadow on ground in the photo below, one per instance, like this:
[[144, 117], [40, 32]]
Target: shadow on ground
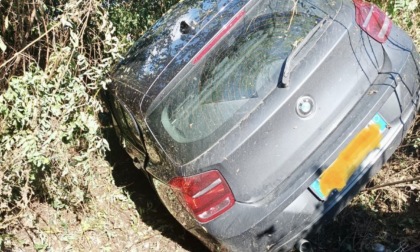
[[151, 210], [357, 228]]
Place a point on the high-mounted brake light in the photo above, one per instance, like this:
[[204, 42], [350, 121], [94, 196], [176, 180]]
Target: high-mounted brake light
[[373, 20], [206, 195], [225, 30]]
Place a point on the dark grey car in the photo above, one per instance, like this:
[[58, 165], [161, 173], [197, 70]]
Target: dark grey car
[[255, 120]]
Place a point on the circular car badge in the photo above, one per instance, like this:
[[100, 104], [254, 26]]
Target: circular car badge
[[305, 106]]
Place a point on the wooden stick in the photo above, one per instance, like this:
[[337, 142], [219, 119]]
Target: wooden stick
[[391, 184]]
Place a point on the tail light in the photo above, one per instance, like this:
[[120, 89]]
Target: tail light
[[223, 32], [206, 195], [373, 20]]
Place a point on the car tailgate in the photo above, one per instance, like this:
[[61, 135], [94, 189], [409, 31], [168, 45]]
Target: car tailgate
[[335, 70]]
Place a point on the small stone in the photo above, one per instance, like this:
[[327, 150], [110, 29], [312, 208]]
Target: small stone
[[377, 247]]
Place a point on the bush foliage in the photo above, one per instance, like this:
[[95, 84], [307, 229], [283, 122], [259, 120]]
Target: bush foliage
[[134, 17], [54, 59], [53, 65]]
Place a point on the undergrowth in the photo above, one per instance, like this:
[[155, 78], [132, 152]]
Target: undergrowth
[[132, 18], [49, 133], [54, 60]]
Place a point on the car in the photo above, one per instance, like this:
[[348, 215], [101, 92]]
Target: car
[[257, 120]]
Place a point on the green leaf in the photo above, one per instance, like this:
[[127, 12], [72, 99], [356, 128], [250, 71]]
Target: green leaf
[[6, 22], [65, 23], [40, 247], [412, 5], [3, 46]]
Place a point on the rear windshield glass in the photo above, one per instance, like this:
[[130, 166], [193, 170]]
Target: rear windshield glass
[[232, 80]]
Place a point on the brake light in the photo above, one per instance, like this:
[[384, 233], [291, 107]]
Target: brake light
[[373, 20], [206, 195], [225, 30]]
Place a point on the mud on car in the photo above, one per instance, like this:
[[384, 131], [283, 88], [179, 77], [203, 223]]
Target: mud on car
[[256, 120]]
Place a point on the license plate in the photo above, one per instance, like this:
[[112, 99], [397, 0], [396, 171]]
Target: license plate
[[336, 176]]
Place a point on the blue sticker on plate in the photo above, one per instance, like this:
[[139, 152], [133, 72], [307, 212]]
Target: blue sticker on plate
[[316, 189], [380, 122]]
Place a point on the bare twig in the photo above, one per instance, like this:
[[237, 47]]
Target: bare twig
[[413, 248], [294, 11], [29, 45], [391, 184]]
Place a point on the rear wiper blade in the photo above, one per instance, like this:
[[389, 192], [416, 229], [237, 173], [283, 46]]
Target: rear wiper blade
[[281, 83], [292, 60]]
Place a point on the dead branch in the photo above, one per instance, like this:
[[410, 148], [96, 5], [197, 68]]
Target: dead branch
[[391, 184]]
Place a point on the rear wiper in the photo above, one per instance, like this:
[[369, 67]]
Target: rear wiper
[[280, 82], [291, 62]]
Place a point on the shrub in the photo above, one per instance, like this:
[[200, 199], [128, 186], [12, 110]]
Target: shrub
[[132, 18], [49, 133]]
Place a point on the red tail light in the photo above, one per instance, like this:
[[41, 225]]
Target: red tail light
[[373, 20], [225, 30], [206, 195]]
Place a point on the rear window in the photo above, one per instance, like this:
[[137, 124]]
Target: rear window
[[232, 80]]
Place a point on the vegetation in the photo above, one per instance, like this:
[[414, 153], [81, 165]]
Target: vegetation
[[134, 17], [57, 192], [54, 59]]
